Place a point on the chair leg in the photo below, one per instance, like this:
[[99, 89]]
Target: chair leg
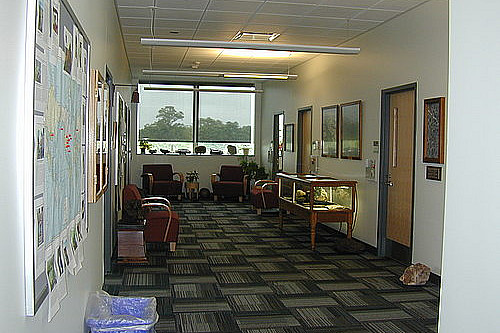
[[172, 246], [240, 198]]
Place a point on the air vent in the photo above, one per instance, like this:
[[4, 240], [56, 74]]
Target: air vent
[[247, 36]]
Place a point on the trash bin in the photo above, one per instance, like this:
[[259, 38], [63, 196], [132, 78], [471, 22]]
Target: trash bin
[[106, 313]]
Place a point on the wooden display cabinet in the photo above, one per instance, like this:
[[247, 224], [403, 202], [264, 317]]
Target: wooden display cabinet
[[318, 199]]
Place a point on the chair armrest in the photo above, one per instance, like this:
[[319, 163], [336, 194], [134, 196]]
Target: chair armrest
[[181, 176], [213, 177], [160, 205], [153, 199], [270, 184], [263, 182]]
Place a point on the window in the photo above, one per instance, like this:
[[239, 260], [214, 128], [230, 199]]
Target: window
[[173, 117], [166, 117]]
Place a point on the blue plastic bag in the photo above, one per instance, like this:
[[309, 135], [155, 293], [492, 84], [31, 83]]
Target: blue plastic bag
[[106, 313]]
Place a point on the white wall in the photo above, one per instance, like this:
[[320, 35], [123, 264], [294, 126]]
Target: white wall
[[410, 48], [470, 290], [99, 20]]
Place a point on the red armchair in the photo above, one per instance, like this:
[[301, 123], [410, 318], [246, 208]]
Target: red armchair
[[158, 179], [162, 223], [264, 195], [229, 182]]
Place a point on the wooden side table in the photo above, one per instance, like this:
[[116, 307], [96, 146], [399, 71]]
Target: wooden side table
[[192, 188]]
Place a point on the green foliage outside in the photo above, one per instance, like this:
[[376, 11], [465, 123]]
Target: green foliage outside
[[168, 127]]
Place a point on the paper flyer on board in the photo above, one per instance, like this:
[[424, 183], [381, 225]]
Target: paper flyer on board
[[50, 271]]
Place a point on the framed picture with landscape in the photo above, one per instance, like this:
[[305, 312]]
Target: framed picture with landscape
[[350, 130], [289, 144], [329, 131], [434, 130]]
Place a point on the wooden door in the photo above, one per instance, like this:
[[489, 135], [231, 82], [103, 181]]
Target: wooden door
[[400, 168], [304, 141]]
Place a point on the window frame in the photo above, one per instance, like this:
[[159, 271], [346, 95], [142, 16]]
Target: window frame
[[198, 88]]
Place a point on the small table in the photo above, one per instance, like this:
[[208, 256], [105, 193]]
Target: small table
[[192, 188]]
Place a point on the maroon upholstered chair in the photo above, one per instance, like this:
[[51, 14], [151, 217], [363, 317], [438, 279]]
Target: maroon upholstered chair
[[229, 182], [264, 195], [162, 223], [158, 179]]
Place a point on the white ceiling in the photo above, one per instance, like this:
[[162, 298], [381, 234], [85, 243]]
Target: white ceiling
[[305, 22]]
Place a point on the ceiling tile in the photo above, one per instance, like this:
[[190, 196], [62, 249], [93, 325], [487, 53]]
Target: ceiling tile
[[135, 22], [221, 26], [401, 5], [176, 24], [234, 6], [231, 17], [179, 14], [337, 12], [265, 28], [304, 2], [362, 24], [351, 3], [183, 4], [286, 9], [214, 35], [320, 22], [138, 3], [134, 11], [377, 15], [284, 20]]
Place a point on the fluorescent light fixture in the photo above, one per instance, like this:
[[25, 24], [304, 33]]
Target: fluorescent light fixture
[[233, 75], [268, 76], [247, 35], [251, 46], [245, 53]]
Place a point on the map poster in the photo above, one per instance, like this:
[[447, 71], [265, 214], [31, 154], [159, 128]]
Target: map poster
[[59, 154]]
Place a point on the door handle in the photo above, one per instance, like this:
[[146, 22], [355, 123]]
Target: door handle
[[389, 183]]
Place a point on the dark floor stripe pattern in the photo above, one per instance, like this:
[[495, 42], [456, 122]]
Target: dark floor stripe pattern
[[235, 271]]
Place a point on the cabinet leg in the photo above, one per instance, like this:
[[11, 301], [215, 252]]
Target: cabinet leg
[[349, 226], [314, 222]]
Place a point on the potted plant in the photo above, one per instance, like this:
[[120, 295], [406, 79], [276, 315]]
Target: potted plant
[[192, 176], [253, 171], [144, 144]]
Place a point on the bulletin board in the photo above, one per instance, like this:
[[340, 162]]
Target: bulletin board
[[60, 109]]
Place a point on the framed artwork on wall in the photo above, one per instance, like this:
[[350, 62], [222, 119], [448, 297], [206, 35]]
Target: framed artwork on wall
[[434, 130], [330, 131], [350, 130], [98, 134], [289, 134]]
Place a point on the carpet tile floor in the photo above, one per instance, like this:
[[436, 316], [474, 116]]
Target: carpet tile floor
[[235, 271]]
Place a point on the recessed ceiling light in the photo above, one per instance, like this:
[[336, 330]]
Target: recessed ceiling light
[[259, 36]]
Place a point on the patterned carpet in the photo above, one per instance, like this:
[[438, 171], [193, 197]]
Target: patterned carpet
[[235, 271]]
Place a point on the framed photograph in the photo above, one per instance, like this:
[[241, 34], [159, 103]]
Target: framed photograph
[[350, 130], [289, 134], [434, 130], [329, 131]]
